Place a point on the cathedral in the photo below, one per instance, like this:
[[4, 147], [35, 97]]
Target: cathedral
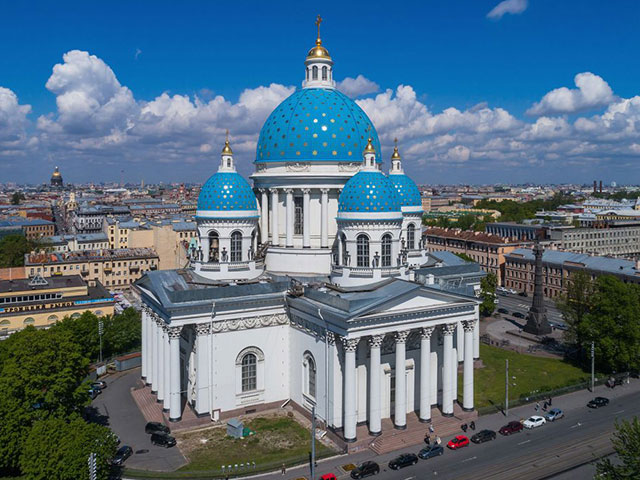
[[302, 287]]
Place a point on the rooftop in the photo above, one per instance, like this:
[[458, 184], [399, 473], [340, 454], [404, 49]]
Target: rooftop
[[89, 255], [458, 234]]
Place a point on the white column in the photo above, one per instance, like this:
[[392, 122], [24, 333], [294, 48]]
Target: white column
[[175, 413], [425, 374], [400, 421], [264, 212], [447, 370], [350, 420], [145, 347], [205, 244], [158, 354], [375, 403], [306, 218], [152, 359], [162, 376], [324, 220], [476, 340], [467, 382], [340, 252], [275, 235], [289, 217], [202, 369], [166, 369]]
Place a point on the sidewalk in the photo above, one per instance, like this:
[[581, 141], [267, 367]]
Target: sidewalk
[[568, 403]]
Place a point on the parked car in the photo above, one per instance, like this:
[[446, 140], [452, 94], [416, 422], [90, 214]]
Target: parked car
[[94, 392], [483, 436], [458, 442], [122, 454], [163, 440], [511, 427], [554, 414], [504, 311], [156, 427], [431, 451], [328, 476], [518, 315], [101, 384], [598, 402], [523, 294], [513, 292], [534, 421], [403, 460], [365, 469]]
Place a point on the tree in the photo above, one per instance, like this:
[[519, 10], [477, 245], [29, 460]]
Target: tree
[[57, 448], [465, 222], [576, 303], [16, 198], [488, 294], [42, 375], [626, 443], [13, 249], [464, 257]]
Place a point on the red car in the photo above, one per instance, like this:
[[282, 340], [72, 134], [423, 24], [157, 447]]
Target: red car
[[511, 427], [458, 442]]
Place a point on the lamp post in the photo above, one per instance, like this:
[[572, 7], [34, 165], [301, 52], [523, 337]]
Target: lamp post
[[593, 375], [100, 331], [313, 442], [506, 389]]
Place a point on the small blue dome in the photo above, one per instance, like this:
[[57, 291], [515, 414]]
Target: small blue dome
[[369, 192], [316, 124], [408, 192], [226, 191]]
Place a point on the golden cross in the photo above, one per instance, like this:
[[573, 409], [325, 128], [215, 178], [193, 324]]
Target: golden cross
[[226, 138], [318, 22], [395, 140]]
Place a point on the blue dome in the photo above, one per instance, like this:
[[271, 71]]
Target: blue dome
[[316, 124], [408, 192], [369, 192], [226, 191]]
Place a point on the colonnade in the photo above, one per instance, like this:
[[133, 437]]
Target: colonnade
[[270, 222], [449, 363], [161, 361]]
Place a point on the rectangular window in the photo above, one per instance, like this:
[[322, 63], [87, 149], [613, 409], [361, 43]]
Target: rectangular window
[[298, 217]]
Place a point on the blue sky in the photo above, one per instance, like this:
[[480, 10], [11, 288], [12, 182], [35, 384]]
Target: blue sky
[[449, 53]]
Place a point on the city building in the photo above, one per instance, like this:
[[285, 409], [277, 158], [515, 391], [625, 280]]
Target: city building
[[486, 249], [515, 230], [71, 243], [41, 302], [56, 178], [112, 268], [31, 228], [305, 294], [618, 239], [558, 267]]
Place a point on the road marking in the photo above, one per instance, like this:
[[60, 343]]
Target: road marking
[[616, 413], [576, 425], [526, 441], [409, 478], [468, 459]]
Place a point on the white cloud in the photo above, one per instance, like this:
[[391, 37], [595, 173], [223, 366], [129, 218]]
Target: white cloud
[[357, 87], [592, 92], [13, 124], [513, 7]]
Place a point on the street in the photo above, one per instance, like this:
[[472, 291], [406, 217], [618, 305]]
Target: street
[[516, 303]]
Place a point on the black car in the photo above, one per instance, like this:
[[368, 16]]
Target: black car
[[523, 294], [518, 315], [365, 469], [504, 311], [431, 451], [483, 436], [403, 460], [598, 402], [156, 427], [122, 454], [163, 440]]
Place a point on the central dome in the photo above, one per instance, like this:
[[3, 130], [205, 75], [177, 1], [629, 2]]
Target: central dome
[[316, 124]]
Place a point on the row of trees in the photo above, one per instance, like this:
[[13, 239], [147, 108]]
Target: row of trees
[[464, 222], [512, 211], [603, 311], [13, 249], [44, 393]]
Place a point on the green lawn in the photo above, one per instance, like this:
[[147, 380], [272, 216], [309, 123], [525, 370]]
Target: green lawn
[[277, 439], [531, 374]]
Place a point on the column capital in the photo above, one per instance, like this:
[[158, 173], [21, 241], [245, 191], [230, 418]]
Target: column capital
[[425, 332], [375, 341], [331, 337], [350, 344], [288, 191], [306, 191], [448, 328], [202, 329], [325, 191], [174, 332], [158, 320], [273, 190], [469, 325], [262, 190], [401, 337]]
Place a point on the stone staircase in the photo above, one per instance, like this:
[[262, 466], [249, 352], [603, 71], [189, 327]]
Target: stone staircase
[[392, 439]]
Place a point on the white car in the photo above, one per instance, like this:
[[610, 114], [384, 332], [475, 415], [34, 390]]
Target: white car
[[533, 422], [512, 291]]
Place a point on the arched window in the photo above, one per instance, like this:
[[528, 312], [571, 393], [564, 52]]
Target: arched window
[[324, 73], [386, 250], [345, 254], [4, 323], [214, 247], [236, 247], [309, 366], [411, 236], [52, 318], [314, 72], [362, 251], [249, 372], [29, 321]]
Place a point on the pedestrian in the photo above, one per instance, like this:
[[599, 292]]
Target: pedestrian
[[549, 401], [544, 406], [284, 469], [537, 406], [472, 425], [431, 427], [427, 439], [438, 441], [464, 427]]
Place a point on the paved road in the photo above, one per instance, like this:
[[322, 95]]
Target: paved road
[[126, 420], [516, 303]]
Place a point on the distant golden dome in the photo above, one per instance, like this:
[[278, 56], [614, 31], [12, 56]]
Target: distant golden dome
[[56, 173], [369, 148], [396, 154], [227, 149]]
